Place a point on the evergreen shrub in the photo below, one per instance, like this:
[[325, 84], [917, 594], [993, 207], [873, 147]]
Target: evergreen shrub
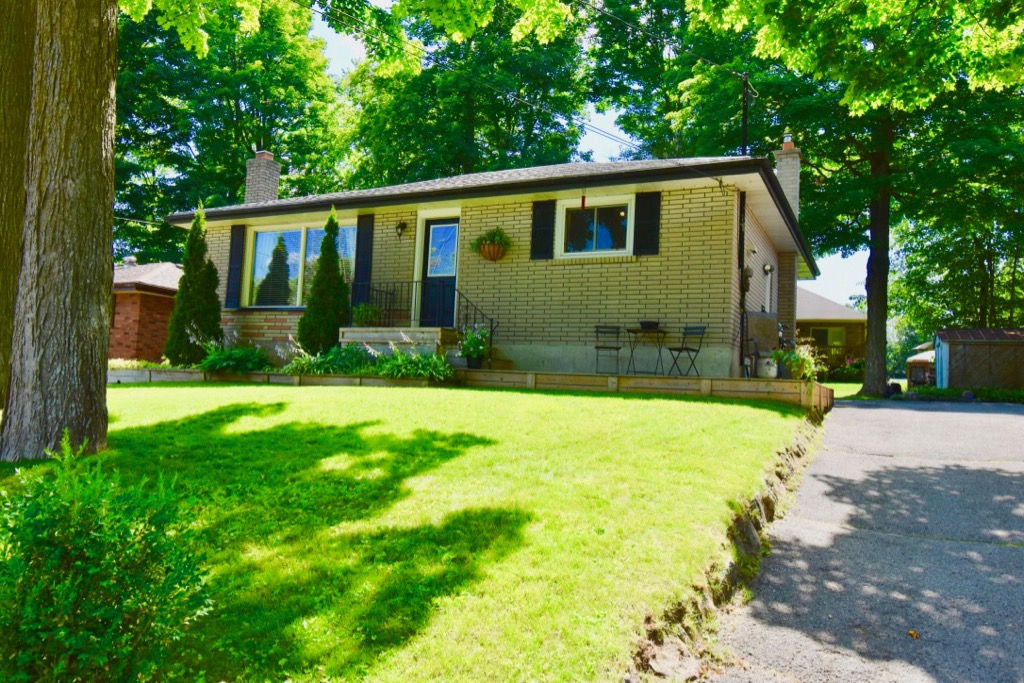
[[195, 320], [327, 307]]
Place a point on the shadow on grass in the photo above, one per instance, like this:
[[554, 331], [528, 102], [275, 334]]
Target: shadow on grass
[[294, 592], [778, 407]]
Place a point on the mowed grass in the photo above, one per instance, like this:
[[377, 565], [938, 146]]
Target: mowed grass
[[394, 534]]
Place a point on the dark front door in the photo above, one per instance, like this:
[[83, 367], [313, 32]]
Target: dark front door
[[440, 258]]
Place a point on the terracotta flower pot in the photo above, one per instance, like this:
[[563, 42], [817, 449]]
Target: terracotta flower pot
[[492, 252]]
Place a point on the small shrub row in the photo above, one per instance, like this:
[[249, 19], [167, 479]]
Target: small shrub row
[[981, 394], [134, 364], [239, 359], [400, 365], [349, 359]]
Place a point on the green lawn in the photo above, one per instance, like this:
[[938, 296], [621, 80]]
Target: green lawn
[[441, 534], [850, 389]]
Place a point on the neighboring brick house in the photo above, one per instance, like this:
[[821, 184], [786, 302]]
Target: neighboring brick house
[[143, 301], [835, 331], [592, 244]]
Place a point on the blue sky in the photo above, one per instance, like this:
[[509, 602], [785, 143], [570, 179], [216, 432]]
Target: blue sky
[[840, 278]]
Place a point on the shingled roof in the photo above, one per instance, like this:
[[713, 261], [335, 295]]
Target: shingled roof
[[539, 179], [493, 183], [811, 306], [995, 334], [157, 278]]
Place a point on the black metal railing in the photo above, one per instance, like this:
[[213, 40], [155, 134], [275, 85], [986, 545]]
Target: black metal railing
[[417, 304]]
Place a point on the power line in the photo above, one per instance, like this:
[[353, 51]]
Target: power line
[[657, 38], [138, 220]]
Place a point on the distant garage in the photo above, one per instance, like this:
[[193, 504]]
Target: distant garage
[[971, 359]]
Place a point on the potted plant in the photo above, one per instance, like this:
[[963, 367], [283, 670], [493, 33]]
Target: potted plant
[[492, 244], [475, 341], [801, 361]]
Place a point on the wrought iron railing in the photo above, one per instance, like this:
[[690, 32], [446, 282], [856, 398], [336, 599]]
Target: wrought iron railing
[[417, 304]]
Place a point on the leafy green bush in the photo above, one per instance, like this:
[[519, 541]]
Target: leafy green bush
[[96, 582], [366, 315], [350, 359], [399, 365], [240, 359], [981, 394], [851, 371], [133, 364]]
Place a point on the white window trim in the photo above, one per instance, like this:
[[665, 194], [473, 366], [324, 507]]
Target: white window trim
[[250, 255], [595, 202]]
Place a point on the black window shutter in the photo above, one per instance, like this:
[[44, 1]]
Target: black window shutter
[[236, 254], [647, 223], [542, 241], [364, 258]]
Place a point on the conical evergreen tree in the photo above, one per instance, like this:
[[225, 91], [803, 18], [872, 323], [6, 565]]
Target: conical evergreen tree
[[327, 308], [196, 316], [274, 290]]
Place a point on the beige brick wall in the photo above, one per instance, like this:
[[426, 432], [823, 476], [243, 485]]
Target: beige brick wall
[[218, 244], [393, 256], [766, 254], [555, 304], [693, 278]]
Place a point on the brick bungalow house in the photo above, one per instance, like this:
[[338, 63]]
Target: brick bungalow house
[[681, 241], [143, 301]]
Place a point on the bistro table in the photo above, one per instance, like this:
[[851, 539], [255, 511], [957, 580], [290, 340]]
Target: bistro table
[[650, 337]]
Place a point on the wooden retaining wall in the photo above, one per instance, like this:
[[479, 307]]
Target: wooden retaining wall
[[810, 395]]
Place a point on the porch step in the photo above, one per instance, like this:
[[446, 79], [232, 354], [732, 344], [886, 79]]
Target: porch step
[[435, 337]]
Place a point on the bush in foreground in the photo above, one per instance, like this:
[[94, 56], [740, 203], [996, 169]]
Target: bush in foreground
[[238, 359], [96, 582]]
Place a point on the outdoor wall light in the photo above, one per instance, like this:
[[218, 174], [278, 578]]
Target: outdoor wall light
[[768, 268], [400, 229]]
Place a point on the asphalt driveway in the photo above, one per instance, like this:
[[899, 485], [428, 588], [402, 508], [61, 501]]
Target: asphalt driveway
[[909, 521]]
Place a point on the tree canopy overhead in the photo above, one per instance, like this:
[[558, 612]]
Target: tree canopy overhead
[[896, 54], [187, 124], [480, 104]]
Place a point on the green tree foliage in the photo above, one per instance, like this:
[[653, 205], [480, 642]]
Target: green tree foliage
[[276, 288], [865, 167], [196, 317], [97, 582], [187, 124], [466, 110], [327, 306], [885, 54]]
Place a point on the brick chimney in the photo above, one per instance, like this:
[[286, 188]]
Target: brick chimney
[[787, 169], [262, 175]]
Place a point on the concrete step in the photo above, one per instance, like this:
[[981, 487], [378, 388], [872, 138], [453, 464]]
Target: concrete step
[[412, 336]]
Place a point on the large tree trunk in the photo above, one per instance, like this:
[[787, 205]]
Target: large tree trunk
[[17, 23], [62, 313], [877, 284]]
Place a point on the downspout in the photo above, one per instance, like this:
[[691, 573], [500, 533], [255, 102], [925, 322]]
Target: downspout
[[742, 266]]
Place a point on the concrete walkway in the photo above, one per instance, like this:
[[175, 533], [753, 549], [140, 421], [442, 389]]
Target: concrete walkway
[[910, 519]]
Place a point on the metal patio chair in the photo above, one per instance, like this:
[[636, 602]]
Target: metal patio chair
[[607, 344], [690, 345]]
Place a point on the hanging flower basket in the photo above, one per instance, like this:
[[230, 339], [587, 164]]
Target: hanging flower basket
[[492, 252], [492, 244]]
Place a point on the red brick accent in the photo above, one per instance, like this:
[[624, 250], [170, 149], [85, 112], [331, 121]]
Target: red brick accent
[[139, 327], [263, 328]]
